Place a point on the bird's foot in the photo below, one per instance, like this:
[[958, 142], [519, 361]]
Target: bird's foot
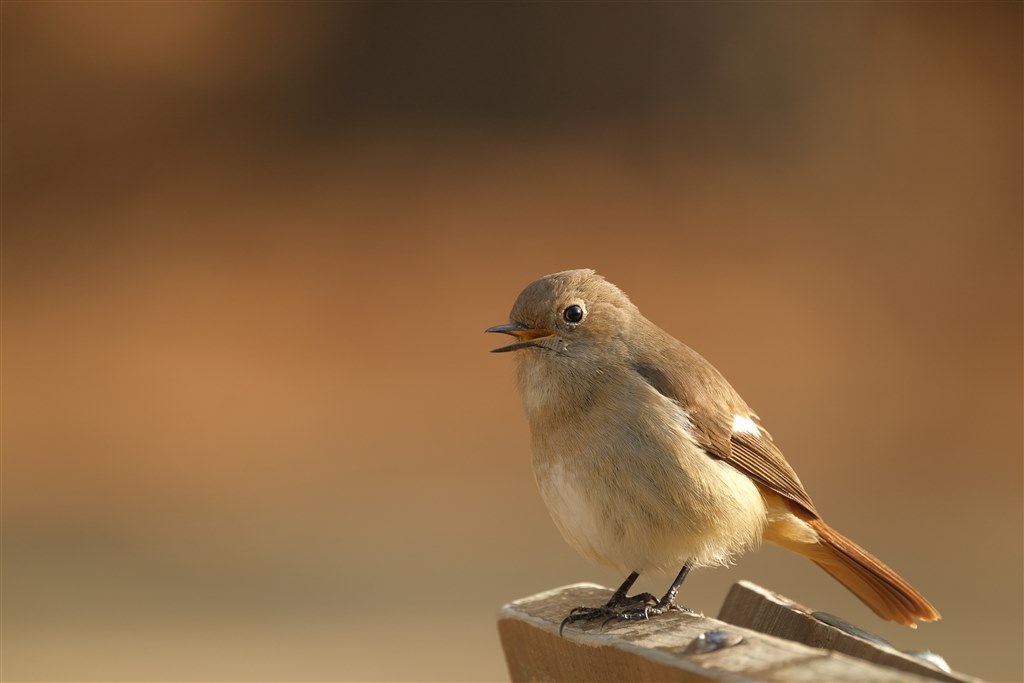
[[613, 610], [642, 612]]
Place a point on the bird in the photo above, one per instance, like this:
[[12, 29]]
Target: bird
[[647, 459]]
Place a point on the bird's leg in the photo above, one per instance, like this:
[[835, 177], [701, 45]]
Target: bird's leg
[[613, 607], [620, 593], [619, 598], [666, 603]]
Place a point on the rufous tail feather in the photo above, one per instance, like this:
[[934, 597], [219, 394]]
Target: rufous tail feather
[[879, 587]]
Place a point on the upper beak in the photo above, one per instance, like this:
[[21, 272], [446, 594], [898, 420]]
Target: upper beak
[[526, 336]]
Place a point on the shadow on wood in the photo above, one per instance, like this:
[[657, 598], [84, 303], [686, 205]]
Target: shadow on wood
[[671, 648]]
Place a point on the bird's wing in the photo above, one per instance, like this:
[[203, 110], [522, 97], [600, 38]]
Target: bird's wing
[[712, 405], [757, 456]]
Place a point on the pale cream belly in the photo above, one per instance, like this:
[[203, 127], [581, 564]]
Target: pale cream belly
[[653, 508]]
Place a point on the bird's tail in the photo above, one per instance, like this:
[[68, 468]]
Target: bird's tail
[[879, 587]]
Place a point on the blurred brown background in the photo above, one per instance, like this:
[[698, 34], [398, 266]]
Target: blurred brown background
[[251, 427]]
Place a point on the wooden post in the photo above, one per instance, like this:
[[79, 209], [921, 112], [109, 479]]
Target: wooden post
[[749, 605], [671, 647]]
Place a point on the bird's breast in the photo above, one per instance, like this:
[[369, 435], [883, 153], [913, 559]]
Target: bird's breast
[[629, 487]]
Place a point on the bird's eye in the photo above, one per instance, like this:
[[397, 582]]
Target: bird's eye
[[573, 314]]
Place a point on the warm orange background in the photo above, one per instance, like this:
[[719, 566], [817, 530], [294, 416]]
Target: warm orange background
[[251, 427]]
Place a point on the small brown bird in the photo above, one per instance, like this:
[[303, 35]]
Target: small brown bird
[[648, 459]]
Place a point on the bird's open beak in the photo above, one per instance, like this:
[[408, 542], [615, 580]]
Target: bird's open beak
[[525, 335]]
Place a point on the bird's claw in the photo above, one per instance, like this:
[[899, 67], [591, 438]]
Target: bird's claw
[[636, 608], [585, 614], [646, 612]]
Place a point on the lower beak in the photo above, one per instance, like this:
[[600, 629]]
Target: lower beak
[[527, 336]]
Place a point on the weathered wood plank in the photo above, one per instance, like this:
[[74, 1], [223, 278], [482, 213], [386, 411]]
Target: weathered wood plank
[[657, 649], [752, 606]]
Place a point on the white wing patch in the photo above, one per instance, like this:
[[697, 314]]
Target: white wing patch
[[742, 423]]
